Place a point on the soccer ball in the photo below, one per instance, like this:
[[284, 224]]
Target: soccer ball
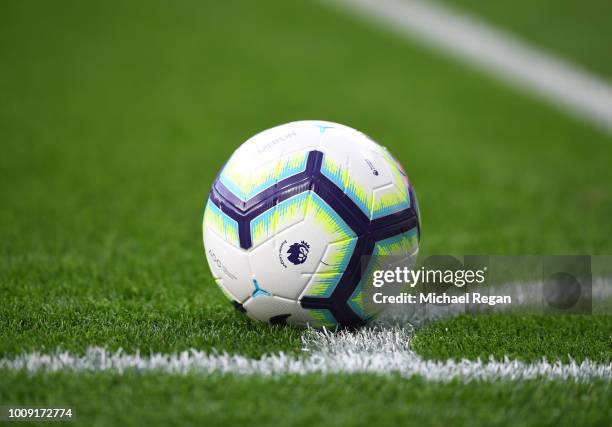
[[294, 214]]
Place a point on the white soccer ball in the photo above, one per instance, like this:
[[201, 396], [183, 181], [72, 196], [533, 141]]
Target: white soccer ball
[[293, 212]]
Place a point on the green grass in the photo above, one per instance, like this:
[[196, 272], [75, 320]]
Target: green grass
[[114, 127], [364, 400], [576, 31], [528, 338], [150, 325], [115, 118]]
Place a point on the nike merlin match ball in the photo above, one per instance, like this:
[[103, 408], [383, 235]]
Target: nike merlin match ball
[[294, 214]]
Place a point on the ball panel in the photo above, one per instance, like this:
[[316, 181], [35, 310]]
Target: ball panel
[[246, 179], [220, 223], [337, 256], [398, 250], [327, 220], [269, 308], [331, 269], [269, 157], [279, 217], [337, 168], [272, 270], [301, 253], [320, 318], [278, 141], [228, 264], [391, 198], [367, 174], [321, 285]]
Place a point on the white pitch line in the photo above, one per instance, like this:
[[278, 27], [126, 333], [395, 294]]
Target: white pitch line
[[500, 54], [370, 350]]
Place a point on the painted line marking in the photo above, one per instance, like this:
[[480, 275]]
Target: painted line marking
[[378, 349], [574, 90], [370, 350]]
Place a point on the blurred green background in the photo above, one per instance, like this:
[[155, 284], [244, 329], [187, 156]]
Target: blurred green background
[[116, 116]]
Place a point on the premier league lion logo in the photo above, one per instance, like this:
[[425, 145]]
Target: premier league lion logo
[[298, 252]]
